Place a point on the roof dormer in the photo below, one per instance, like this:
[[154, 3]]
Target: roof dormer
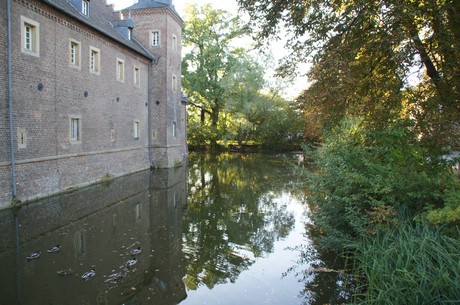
[[82, 6], [124, 27], [85, 7]]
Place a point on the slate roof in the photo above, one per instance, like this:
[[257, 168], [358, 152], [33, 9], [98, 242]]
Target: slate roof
[[100, 20], [127, 23], [143, 4]]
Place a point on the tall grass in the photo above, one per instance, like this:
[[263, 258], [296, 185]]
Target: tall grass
[[409, 265]]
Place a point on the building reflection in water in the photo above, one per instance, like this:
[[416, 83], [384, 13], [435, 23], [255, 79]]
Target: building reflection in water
[[97, 227]]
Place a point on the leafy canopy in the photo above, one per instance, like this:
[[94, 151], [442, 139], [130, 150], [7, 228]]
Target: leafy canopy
[[366, 53]]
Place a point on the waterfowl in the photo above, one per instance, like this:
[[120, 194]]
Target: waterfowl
[[131, 262], [118, 276], [88, 275], [136, 251], [54, 249], [34, 255], [65, 272]]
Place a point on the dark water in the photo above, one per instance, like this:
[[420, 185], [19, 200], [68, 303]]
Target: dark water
[[229, 229]]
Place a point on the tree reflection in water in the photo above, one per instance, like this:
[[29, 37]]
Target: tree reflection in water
[[232, 217], [325, 280], [240, 212]]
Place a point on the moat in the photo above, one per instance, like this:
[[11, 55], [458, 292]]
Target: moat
[[228, 229]]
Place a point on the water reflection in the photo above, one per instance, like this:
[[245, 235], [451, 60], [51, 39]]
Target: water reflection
[[230, 229], [230, 209], [244, 235], [97, 228]]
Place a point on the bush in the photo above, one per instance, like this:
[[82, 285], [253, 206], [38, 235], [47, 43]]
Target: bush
[[365, 176]]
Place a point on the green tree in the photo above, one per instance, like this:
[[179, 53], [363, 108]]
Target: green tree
[[259, 114], [209, 34], [365, 52]]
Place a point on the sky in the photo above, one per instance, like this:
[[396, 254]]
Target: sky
[[228, 5], [232, 7]]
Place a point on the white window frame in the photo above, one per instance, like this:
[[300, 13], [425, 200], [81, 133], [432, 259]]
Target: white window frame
[[75, 134], [155, 36], [94, 60], [74, 53], [137, 129], [85, 7], [137, 76], [120, 70], [30, 37]]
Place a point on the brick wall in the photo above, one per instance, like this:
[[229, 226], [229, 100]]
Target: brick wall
[[48, 91], [167, 150]]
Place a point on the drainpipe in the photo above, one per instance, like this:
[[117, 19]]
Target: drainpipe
[[10, 97], [149, 115]]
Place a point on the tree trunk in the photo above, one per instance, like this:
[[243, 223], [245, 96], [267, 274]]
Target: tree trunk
[[214, 120], [203, 113]]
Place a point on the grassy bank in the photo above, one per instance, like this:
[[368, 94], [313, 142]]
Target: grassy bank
[[394, 203], [410, 264]]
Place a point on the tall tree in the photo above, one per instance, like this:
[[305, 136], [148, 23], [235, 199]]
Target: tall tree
[[366, 51], [209, 34]]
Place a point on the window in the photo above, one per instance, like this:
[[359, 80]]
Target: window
[[75, 129], [137, 76], [136, 129], [28, 40], [30, 36], [74, 53], [120, 70], [174, 130], [22, 139], [94, 60], [174, 83], [130, 33], [85, 7], [155, 38], [174, 43]]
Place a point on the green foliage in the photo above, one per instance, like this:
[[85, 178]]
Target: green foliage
[[199, 135], [409, 265], [365, 177], [449, 214], [265, 119], [365, 54], [209, 34], [229, 98]]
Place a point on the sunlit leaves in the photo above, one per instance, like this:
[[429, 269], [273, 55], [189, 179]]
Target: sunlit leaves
[[366, 175], [366, 53], [230, 99]]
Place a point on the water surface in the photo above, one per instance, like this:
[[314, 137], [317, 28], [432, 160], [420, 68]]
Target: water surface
[[229, 229]]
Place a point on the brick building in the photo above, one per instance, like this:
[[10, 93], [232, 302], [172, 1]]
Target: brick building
[[87, 93]]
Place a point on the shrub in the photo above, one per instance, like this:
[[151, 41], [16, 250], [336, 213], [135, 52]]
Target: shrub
[[365, 176]]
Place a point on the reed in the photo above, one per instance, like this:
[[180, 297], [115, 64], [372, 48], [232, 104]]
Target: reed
[[411, 264]]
